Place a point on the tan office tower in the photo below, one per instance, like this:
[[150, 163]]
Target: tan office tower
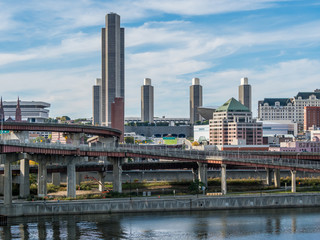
[[195, 100], [245, 93], [147, 101], [112, 38]]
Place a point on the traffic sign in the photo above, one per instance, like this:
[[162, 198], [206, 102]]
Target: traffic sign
[[4, 131]]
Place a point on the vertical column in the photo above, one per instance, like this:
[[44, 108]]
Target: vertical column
[[194, 174], [1, 183], [7, 191], [56, 178], [117, 174], [71, 178], [202, 173], [223, 179], [78, 178], [42, 178], [24, 178], [101, 181], [269, 176], [293, 181], [276, 178]]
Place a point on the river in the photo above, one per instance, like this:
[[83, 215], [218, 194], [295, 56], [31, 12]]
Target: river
[[291, 223]]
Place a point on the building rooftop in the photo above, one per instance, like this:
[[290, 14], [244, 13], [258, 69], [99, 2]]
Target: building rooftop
[[306, 95], [232, 105], [272, 101]]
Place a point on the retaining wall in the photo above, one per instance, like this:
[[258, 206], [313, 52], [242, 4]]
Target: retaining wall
[[160, 204]]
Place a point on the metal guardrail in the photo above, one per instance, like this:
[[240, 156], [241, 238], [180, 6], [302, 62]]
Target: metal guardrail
[[165, 152]]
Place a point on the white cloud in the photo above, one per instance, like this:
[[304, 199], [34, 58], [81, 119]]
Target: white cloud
[[76, 44], [193, 7], [69, 91]]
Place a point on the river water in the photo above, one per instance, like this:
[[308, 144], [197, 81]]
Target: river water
[[293, 223]]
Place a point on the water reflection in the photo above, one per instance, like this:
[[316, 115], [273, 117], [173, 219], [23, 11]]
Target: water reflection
[[190, 225]]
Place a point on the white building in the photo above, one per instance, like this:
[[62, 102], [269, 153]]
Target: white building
[[288, 108], [31, 111], [279, 127], [201, 132]]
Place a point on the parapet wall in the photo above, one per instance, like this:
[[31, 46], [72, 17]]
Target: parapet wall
[[150, 204]]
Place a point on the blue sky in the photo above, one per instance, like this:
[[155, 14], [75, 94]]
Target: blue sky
[[50, 50]]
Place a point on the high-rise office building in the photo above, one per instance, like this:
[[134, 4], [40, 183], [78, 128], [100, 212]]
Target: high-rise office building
[[195, 100], [112, 86], [147, 101], [245, 93], [96, 93]]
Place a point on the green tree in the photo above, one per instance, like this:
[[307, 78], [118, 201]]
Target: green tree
[[129, 140]]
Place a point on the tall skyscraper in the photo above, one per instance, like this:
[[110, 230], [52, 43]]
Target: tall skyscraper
[[195, 100], [96, 93], [147, 101], [112, 38], [245, 93]]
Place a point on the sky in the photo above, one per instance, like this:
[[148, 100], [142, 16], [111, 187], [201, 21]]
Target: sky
[[51, 51]]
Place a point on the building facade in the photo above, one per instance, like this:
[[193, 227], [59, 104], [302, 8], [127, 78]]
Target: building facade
[[232, 124], [29, 111], [112, 86], [288, 108], [297, 146], [96, 93], [245, 93], [147, 101], [195, 100], [311, 117]]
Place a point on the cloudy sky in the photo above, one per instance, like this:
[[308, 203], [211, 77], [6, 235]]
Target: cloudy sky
[[50, 50]]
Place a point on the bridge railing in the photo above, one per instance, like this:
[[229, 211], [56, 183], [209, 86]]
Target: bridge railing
[[190, 154]]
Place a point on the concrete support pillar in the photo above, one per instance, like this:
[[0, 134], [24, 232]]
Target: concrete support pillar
[[7, 191], [223, 179], [268, 176], [42, 178], [194, 174], [276, 178], [56, 178], [202, 173], [293, 181], [101, 181], [117, 173], [1, 183], [24, 178], [78, 178], [71, 179]]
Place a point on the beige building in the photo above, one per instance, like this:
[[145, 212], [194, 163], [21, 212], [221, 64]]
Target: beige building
[[232, 124], [288, 108]]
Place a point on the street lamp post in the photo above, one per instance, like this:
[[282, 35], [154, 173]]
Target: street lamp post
[[129, 185], [1, 125]]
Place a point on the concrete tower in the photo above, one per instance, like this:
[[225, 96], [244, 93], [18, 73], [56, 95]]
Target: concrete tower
[[112, 85], [245, 93], [195, 100], [147, 101], [96, 93]]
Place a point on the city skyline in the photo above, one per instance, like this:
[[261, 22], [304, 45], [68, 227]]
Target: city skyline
[[51, 51]]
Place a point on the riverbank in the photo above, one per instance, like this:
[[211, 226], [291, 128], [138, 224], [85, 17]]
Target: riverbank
[[162, 204]]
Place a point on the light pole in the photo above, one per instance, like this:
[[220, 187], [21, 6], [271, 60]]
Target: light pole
[[1, 125], [129, 185]]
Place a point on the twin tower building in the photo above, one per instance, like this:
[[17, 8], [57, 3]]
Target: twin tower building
[[109, 91]]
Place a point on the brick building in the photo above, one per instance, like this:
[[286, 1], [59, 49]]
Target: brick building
[[311, 117], [232, 124]]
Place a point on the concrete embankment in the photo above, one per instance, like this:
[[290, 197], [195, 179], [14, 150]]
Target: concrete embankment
[[160, 204]]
